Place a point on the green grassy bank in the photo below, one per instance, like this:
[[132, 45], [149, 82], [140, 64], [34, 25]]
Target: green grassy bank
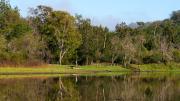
[[92, 69], [57, 69], [171, 67]]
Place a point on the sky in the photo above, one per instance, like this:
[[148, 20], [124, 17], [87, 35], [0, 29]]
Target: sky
[[107, 12]]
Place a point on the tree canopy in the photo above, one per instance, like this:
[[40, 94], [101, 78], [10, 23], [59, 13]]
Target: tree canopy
[[53, 36]]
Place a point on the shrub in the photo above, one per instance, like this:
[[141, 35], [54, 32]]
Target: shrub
[[154, 58], [176, 55]]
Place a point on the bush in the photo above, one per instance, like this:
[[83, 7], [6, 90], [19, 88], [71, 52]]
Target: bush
[[17, 59], [154, 58], [176, 55], [8, 58]]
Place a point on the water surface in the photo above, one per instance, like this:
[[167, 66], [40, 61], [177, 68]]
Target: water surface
[[136, 87]]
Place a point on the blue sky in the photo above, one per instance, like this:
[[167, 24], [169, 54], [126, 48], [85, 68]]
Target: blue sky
[[108, 12]]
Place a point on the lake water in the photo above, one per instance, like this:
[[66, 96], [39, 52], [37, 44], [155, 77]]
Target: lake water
[[133, 87]]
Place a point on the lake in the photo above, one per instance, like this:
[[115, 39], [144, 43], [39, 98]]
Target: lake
[[130, 87]]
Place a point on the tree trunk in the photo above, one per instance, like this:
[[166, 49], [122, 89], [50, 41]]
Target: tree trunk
[[61, 56], [124, 61], [76, 62], [104, 43], [112, 61], [87, 60], [76, 59], [129, 61]]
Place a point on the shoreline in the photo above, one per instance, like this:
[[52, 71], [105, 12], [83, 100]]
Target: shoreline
[[89, 69]]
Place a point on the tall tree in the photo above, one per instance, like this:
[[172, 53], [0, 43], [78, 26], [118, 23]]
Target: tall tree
[[115, 48], [11, 23], [175, 16], [58, 29], [86, 48], [65, 32]]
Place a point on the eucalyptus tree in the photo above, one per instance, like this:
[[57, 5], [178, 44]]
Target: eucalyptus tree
[[11, 23], [58, 29], [12, 26], [126, 43], [65, 32], [115, 48], [100, 35], [85, 28]]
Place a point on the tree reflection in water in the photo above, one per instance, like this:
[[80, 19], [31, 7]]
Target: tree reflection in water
[[82, 88]]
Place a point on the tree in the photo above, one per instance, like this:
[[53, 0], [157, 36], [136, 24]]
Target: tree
[[58, 37], [169, 31], [86, 52], [139, 41], [58, 29], [122, 29], [11, 24], [38, 20], [126, 43], [128, 50], [175, 16], [115, 48], [99, 42], [165, 50], [67, 37], [29, 46]]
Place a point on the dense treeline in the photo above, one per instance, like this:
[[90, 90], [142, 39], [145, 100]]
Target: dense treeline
[[49, 36]]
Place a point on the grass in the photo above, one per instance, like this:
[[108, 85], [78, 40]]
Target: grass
[[57, 69], [171, 67], [91, 70]]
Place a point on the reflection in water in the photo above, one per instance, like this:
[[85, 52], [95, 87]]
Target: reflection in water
[[115, 88]]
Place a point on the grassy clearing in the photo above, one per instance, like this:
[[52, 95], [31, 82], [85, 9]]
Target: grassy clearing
[[104, 68], [92, 70], [172, 67], [57, 69]]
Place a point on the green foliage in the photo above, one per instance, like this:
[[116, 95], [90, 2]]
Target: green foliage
[[2, 43], [175, 16], [9, 19], [58, 37], [12, 58], [154, 58], [28, 44], [59, 31], [176, 55]]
